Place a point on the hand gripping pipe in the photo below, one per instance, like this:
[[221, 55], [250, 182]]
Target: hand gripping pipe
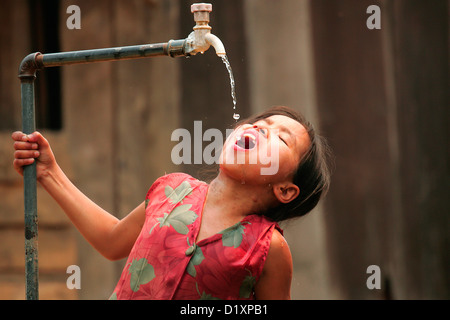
[[198, 41]]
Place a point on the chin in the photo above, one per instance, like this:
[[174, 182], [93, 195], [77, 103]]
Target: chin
[[242, 164], [246, 173]]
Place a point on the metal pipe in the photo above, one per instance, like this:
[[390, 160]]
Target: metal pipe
[[198, 41], [172, 48], [27, 75]]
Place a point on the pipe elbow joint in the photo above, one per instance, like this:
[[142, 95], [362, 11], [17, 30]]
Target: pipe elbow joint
[[30, 64]]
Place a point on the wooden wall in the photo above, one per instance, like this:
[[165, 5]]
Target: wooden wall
[[383, 102]]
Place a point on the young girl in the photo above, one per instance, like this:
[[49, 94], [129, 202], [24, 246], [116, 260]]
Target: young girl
[[193, 240]]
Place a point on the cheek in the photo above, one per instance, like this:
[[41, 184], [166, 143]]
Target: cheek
[[282, 159]]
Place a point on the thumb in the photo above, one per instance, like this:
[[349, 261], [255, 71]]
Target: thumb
[[38, 138]]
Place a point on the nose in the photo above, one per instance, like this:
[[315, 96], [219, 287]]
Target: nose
[[263, 130]]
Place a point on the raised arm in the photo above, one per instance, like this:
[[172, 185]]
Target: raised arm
[[112, 237]]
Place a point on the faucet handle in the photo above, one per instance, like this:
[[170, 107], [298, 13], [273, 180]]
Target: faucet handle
[[201, 7], [201, 12]]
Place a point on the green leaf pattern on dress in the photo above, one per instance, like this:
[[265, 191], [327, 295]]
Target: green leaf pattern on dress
[[232, 236], [141, 272], [204, 295], [247, 285], [179, 218], [196, 259], [179, 193]]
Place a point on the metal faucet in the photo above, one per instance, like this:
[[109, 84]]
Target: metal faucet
[[201, 38]]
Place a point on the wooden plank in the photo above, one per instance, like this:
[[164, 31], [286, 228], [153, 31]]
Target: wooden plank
[[13, 288], [281, 68], [57, 250], [385, 108], [352, 109], [14, 47], [87, 92], [420, 46], [145, 100]]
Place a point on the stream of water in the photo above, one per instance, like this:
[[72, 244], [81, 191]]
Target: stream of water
[[236, 116]]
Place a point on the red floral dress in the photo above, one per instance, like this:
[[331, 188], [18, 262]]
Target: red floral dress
[[166, 262]]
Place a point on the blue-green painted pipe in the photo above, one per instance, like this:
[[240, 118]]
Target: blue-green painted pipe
[[172, 48], [30, 195]]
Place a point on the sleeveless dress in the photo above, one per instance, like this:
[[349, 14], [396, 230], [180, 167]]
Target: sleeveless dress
[[167, 263]]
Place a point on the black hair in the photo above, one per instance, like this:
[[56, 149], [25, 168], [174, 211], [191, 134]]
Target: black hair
[[312, 175]]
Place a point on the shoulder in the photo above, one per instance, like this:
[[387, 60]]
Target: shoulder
[[171, 179], [174, 177], [279, 249], [275, 280]]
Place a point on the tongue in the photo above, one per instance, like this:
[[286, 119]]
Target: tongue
[[248, 142]]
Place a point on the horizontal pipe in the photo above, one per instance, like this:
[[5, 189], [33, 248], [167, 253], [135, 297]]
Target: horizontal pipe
[[172, 48], [106, 54]]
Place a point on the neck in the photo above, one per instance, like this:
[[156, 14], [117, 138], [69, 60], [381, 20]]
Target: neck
[[238, 199]]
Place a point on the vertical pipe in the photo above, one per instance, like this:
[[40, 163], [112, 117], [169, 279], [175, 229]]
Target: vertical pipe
[[30, 195], [27, 76]]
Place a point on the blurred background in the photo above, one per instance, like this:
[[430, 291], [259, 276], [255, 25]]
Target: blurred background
[[380, 97]]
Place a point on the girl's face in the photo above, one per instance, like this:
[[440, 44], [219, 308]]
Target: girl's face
[[267, 151]]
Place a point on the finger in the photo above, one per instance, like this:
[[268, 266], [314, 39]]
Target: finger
[[32, 137], [35, 137], [20, 163], [18, 136], [20, 145], [26, 154], [38, 138]]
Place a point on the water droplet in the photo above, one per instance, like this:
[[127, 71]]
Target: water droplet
[[236, 116]]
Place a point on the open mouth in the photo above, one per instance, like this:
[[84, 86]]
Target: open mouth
[[247, 140]]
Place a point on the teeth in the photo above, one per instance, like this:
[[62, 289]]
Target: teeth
[[251, 136], [247, 135]]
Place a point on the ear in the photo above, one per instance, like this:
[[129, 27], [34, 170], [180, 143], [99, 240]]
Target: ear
[[286, 192]]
